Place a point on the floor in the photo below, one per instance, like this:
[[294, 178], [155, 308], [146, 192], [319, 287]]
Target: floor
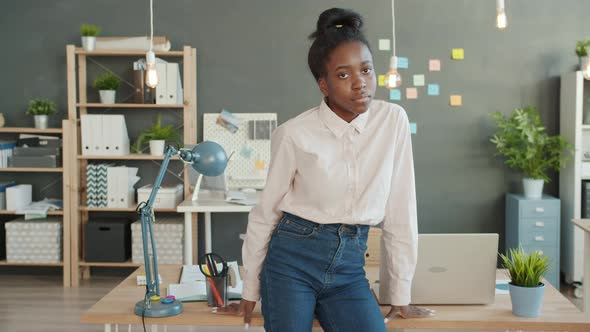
[[39, 303]]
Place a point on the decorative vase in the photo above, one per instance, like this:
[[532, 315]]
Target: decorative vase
[[107, 96], [533, 188], [157, 147], [526, 301], [2, 121], [88, 43], [41, 121]]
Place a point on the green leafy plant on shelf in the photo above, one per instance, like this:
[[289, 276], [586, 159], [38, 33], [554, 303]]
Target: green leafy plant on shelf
[[581, 47], [525, 270], [526, 146], [107, 81], [41, 107], [157, 132], [89, 30]]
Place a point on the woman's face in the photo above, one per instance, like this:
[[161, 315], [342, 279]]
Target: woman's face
[[350, 81]]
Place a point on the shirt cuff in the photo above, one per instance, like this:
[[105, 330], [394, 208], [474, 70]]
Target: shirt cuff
[[398, 293], [251, 290]]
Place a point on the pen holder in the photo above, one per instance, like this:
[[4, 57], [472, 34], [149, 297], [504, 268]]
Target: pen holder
[[217, 291]]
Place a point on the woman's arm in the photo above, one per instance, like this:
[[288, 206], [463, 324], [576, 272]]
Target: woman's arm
[[265, 215], [399, 241]]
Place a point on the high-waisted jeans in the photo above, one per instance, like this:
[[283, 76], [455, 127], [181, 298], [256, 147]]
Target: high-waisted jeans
[[317, 269]]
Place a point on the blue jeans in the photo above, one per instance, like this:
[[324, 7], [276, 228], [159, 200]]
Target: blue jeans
[[317, 269]]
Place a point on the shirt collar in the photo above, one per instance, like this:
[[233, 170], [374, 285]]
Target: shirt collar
[[337, 125]]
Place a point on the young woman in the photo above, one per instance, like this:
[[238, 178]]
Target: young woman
[[335, 170]]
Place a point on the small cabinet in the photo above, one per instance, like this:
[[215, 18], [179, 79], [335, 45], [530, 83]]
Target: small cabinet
[[534, 224]]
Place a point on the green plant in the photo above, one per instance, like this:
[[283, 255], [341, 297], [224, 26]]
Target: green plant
[[157, 132], [525, 270], [41, 107], [581, 47], [107, 81], [89, 30], [523, 141]]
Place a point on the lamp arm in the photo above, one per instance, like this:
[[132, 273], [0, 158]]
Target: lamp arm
[[146, 213]]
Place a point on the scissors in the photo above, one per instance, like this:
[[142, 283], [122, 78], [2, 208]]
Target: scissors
[[210, 261]]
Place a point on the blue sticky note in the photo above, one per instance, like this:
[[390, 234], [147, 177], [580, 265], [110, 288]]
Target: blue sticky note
[[433, 89], [246, 152], [402, 62], [413, 127], [395, 94]]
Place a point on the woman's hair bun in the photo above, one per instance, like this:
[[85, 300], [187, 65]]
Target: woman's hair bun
[[337, 18]]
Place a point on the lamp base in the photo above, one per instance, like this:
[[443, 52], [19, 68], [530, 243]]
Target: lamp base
[[158, 309]]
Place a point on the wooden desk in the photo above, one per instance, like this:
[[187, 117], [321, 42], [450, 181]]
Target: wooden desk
[[558, 314], [584, 224]]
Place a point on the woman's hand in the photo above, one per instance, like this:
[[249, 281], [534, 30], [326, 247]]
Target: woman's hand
[[245, 309], [408, 311]]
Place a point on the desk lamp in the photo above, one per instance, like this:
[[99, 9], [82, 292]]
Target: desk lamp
[[207, 158]]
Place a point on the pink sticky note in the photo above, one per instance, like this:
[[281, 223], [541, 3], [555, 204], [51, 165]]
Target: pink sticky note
[[411, 93], [434, 65]]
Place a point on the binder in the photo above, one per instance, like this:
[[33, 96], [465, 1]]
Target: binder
[[120, 182], [91, 127], [161, 88], [173, 84], [115, 137]]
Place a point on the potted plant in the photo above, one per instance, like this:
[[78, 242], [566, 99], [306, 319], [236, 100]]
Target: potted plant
[[41, 109], [582, 52], [157, 136], [523, 141], [107, 84], [89, 33], [526, 272]]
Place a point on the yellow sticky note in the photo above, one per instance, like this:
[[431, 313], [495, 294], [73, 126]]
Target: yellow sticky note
[[456, 100], [411, 93], [458, 54], [381, 80]]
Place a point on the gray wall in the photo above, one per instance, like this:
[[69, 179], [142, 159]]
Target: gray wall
[[252, 58]]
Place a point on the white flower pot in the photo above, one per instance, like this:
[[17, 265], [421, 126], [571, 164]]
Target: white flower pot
[[533, 188], [157, 147], [88, 43], [41, 121], [107, 96], [583, 62]]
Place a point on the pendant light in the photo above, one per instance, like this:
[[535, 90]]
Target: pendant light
[[501, 20], [151, 75], [393, 79]]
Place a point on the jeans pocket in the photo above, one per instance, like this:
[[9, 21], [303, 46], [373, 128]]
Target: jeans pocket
[[362, 244], [295, 229]]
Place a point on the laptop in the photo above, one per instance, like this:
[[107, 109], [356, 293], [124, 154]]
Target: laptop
[[455, 269]]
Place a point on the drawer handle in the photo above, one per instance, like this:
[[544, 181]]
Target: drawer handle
[[539, 238], [539, 209], [540, 224]]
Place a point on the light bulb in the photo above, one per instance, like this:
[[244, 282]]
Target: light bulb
[[501, 20], [393, 79], [151, 75]]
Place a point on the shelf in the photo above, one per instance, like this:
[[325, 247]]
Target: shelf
[[107, 209], [129, 105], [49, 213], [110, 264], [5, 263], [585, 127], [127, 157], [142, 53], [32, 169], [30, 130]]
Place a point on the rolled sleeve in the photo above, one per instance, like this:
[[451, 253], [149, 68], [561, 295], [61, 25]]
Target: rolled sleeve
[[264, 217], [399, 242]]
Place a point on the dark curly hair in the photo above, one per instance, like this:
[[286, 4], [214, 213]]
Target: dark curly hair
[[335, 26]]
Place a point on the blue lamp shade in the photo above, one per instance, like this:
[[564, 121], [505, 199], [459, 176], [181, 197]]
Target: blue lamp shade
[[209, 158]]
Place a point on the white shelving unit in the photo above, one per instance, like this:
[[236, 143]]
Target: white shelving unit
[[573, 129]]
